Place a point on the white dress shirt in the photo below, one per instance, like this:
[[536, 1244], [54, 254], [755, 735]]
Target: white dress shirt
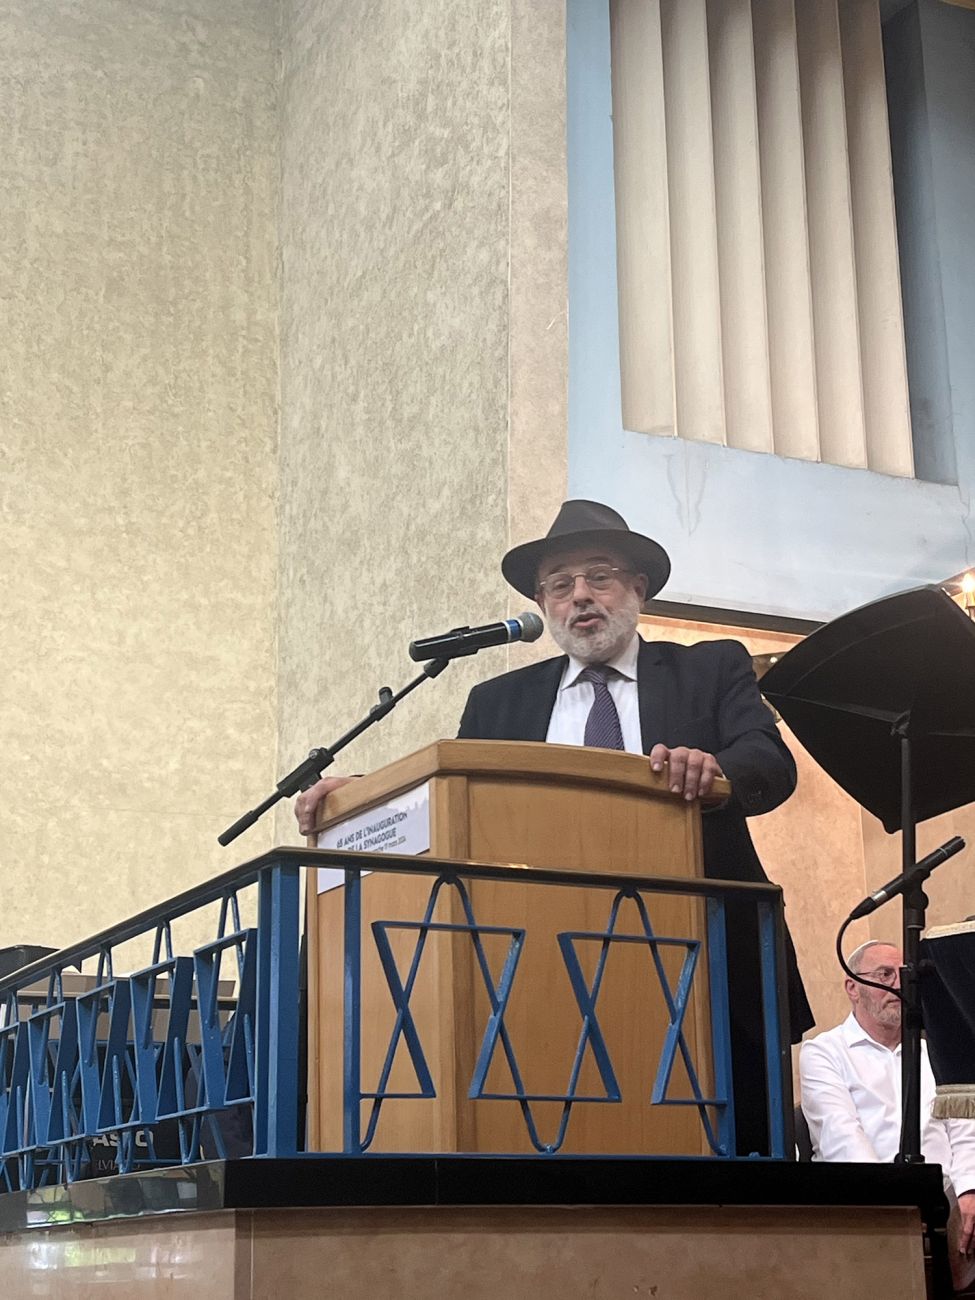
[[851, 1097], [567, 725]]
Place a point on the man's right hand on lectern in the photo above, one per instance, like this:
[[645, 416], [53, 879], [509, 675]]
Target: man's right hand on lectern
[[306, 805]]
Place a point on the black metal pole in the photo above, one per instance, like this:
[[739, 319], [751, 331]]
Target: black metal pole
[[785, 1035], [915, 902]]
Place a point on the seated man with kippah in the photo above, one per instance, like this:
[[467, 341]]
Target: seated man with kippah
[[850, 1079]]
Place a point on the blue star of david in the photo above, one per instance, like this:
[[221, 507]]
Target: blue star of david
[[591, 1036], [676, 1001], [404, 1025]]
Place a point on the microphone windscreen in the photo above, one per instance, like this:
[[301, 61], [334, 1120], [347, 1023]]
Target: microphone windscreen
[[532, 626]]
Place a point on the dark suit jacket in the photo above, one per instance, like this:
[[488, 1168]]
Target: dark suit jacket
[[704, 696]]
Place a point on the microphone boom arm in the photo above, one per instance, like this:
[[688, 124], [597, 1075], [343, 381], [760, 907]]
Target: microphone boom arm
[[310, 769], [903, 883]]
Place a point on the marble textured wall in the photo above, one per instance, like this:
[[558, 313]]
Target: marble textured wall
[[138, 413], [399, 313]]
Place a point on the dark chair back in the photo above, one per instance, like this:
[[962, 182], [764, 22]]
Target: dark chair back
[[803, 1138], [21, 954]]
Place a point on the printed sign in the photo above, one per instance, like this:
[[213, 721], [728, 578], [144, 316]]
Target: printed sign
[[401, 825]]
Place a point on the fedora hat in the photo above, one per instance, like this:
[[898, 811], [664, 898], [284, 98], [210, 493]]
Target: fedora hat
[[587, 523]]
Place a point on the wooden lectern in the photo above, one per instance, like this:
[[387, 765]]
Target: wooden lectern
[[557, 806]]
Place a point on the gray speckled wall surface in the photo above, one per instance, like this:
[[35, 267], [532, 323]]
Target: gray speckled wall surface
[[394, 358], [282, 297], [138, 421]]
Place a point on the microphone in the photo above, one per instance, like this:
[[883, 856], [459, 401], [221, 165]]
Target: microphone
[[907, 879], [468, 640]]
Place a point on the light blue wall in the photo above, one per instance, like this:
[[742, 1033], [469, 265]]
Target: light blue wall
[[747, 531]]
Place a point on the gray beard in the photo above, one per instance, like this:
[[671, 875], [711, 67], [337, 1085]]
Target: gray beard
[[888, 1015], [605, 644]]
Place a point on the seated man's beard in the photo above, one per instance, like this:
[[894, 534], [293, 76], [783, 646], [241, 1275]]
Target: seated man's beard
[[888, 1015], [604, 641]]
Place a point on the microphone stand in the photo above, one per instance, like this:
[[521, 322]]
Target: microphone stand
[[915, 902], [309, 771], [910, 884]]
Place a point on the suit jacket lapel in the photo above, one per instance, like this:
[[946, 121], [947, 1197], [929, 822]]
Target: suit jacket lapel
[[652, 696], [541, 688]]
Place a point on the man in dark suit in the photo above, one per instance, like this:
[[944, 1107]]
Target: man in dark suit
[[695, 709]]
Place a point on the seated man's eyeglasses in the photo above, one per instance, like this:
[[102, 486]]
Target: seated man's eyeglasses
[[882, 974], [599, 578]]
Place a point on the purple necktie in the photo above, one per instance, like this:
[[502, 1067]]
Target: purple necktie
[[603, 728]]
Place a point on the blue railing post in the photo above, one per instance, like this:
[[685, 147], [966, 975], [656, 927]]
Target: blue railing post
[[352, 995], [721, 1022], [276, 1099], [778, 1066]]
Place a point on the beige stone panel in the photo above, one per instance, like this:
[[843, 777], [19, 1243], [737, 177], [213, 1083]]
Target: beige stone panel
[[50, 20], [538, 290], [104, 865], [478, 1253], [137, 428], [394, 360], [585, 1251]]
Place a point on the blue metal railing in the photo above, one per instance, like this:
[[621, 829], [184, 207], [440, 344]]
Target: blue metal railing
[[716, 1111], [166, 1067], [154, 1062]]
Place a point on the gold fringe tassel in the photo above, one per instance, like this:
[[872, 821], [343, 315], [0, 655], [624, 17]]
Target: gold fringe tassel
[[954, 1101]]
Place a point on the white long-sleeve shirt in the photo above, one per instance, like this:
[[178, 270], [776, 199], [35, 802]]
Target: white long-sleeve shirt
[[851, 1097]]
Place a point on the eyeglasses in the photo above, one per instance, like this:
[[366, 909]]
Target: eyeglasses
[[882, 974], [599, 578]]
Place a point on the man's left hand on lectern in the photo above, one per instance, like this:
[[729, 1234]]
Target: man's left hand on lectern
[[690, 772], [306, 805]]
